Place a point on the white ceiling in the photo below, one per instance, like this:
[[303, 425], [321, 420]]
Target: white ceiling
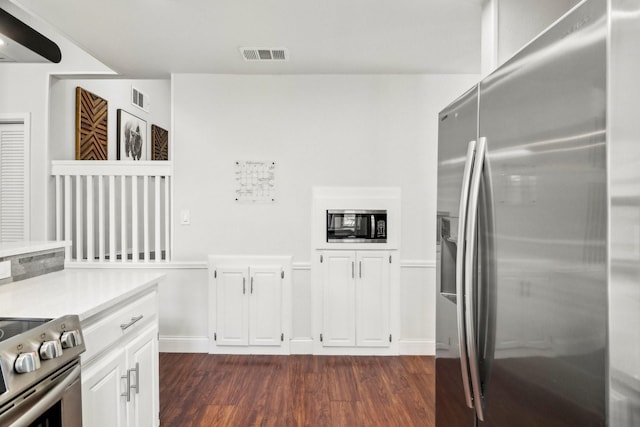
[[153, 38]]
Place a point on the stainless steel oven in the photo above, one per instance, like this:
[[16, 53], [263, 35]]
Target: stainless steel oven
[[40, 372]]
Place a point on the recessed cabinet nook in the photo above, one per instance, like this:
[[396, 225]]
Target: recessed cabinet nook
[[355, 298], [355, 270]]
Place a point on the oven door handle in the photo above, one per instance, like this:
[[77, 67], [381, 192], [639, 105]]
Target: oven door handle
[[52, 396]]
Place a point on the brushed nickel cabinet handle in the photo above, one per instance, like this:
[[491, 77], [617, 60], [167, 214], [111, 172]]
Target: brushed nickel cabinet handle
[[127, 377], [125, 326]]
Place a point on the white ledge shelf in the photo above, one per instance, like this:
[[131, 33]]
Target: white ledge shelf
[[25, 247]]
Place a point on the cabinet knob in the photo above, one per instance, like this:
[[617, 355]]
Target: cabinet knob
[[50, 349], [71, 339], [27, 362]]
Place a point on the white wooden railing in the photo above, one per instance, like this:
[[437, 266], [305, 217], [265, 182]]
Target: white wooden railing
[[113, 211]]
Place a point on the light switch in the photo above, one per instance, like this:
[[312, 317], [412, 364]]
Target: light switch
[[5, 269], [185, 217]]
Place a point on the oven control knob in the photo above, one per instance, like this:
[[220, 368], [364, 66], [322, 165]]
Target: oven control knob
[[27, 362], [71, 339], [50, 349]]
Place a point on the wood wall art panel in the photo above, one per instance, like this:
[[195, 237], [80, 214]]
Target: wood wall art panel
[[159, 143], [91, 126]]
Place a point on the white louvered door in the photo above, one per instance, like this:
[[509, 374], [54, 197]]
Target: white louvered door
[[13, 182]]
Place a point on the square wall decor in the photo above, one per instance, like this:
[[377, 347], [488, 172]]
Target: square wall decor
[[91, 126]]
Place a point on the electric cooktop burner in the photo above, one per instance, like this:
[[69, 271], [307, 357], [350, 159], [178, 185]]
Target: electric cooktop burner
[[10, 327]]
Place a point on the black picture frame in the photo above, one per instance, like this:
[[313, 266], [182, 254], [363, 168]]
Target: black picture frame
[[132, 137]]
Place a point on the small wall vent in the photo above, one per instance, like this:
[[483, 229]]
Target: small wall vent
[[139, 99], [264, 54]]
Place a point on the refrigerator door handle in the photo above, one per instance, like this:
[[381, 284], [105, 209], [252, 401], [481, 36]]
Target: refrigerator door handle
[[470, 237], [460, 253]]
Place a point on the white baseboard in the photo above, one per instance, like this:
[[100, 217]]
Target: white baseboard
[[301, 346], [417, 347], [170, 344]]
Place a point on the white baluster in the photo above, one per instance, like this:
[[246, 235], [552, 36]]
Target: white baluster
[[79, 219], [112, 218], [134, 218], [101, 242], [167, 220], [58, 207], [123, 218], [156, 223], [90, 226], [145, 223], [67, 215]]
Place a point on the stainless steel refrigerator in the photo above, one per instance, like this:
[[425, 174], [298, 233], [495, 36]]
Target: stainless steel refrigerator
[[538, 270]]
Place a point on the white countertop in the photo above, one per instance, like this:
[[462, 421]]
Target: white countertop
[[84, 292], [17, 248]]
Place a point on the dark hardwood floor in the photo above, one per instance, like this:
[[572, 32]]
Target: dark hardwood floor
[[225, 390]]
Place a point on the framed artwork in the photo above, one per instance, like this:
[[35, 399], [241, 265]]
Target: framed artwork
[[132, 137], [91, 126], [159, 143]]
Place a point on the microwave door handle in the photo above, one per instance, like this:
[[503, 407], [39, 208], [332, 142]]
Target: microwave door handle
[[373, 227], [470, 252], [460, 309]]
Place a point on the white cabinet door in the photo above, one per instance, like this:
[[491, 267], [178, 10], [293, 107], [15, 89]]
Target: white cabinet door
[[265, 305], [102, 386], [372, 299], [232, 306], [142, 358], [338, 299]]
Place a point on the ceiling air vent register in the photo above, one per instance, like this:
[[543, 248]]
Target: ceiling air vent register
[[264, 54]]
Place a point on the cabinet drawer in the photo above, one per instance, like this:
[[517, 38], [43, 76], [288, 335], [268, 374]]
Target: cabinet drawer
[[121, 322]]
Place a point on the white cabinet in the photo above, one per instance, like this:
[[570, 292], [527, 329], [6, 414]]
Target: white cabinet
[[265, 305], [338, 299], [355, 298], [102, 404], [248, 296], [120, 366], [142, 363], [372, 299], [232, 306], [249, 305]]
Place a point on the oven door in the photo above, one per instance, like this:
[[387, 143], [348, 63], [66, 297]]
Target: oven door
[[54, 402]]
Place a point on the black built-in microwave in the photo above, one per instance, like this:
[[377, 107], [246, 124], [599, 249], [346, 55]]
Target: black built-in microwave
[[356, 226]]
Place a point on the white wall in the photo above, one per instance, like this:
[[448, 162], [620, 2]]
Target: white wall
[[24, 88], [522, 20], [508, 25], [324, 130], [320, 130], [62, 139]]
